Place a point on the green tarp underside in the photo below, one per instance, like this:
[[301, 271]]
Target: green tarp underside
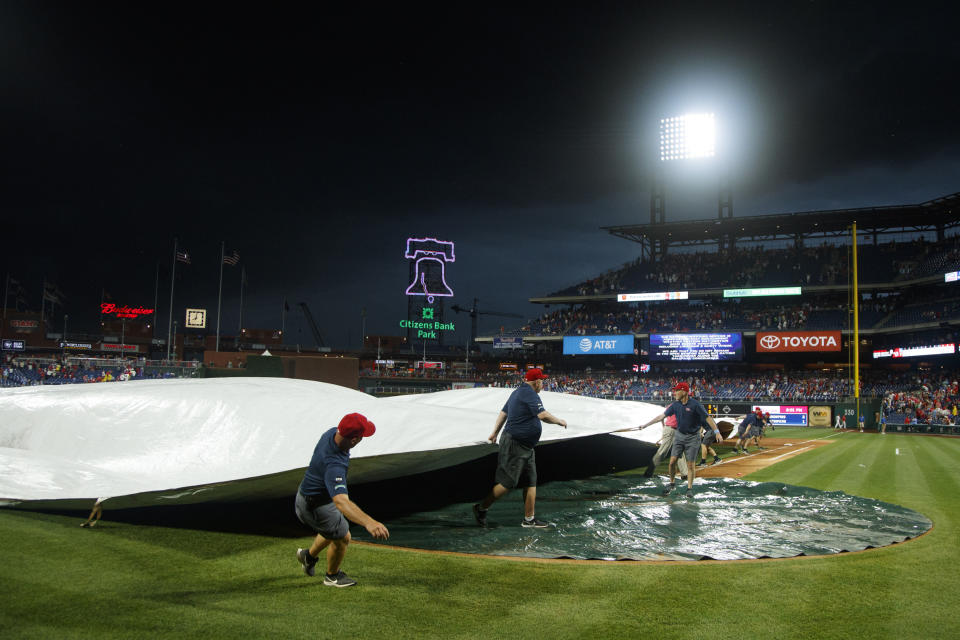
[[628, 518]]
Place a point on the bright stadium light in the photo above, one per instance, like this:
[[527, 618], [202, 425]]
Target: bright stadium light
[[692, 135]]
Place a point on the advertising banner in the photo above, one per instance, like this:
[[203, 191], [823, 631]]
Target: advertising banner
[[126, 348], [820, 416], [14, 345], [597, 345], [792, 415], [508, 343], [781, 341]]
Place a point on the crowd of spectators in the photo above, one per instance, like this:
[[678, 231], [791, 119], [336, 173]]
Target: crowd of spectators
[[753, 265], [911, 308], [25, 372], [930, 400]]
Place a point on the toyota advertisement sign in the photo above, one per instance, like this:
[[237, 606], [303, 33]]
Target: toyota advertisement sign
[[783, 341]]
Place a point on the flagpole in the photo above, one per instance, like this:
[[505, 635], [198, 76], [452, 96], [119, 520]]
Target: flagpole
[[6, 294], [156, 298], [243, 279], [173, 271], [220, 295], [43, 304]]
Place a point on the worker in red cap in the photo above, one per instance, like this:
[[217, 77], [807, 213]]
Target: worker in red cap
[[749, 427], [324, 505], [517, 464], [691, 416]]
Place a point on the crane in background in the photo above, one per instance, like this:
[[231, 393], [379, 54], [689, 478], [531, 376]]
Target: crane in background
[[475, 313], [313, 325]]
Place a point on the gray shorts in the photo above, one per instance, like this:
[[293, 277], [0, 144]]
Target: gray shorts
[[324, 519], [754, 432], [686, 444], [514, 461], [709, 438]]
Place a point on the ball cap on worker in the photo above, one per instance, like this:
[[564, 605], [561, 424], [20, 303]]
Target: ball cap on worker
[[355, 425], [535, 374], [681, 386]]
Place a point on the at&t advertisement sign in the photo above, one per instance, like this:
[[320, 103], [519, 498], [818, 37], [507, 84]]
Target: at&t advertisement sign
[[593, 345]]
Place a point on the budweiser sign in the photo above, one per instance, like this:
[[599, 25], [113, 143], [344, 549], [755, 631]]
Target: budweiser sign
[[109, 308], [780, 341]]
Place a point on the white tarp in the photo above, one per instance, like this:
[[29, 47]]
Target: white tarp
[[125, 438]]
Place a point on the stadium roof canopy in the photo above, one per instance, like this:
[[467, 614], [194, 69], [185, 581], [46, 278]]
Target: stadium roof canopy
[[936, 215]]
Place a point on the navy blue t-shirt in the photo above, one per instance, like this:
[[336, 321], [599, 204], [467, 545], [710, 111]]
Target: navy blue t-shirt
[[522, 408], [689, 416], [749, 421], [327, 474]]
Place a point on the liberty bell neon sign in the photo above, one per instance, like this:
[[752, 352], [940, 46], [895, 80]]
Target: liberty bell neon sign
[[430, 277]]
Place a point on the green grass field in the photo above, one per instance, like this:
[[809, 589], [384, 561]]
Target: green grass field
[[128, 581]]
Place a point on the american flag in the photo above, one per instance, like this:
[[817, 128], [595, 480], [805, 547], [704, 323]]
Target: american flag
[[183, 256], [233, 259]]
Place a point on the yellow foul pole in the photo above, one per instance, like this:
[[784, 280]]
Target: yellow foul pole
[[856, 329]]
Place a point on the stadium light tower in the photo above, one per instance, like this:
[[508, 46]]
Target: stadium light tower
[[692, 135]]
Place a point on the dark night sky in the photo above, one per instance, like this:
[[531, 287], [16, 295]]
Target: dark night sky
[[316, 142]]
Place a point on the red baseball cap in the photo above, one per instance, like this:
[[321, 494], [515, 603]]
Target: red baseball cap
[[355, 425], [681, 386], [535, 374]]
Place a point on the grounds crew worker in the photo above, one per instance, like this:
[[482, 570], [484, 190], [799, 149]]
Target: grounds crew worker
[[322, 500], [522, 415], [690, 416]]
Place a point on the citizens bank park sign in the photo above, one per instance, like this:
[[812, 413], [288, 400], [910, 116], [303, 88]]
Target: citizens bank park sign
[[781, 341]]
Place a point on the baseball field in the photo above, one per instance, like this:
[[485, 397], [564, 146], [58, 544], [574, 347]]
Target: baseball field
[[124, 580]]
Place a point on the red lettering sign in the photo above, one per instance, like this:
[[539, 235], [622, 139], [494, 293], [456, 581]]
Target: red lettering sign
[[780, 341], [109, 308]]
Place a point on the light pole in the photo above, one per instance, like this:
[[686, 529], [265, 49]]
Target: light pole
[[63, 339]]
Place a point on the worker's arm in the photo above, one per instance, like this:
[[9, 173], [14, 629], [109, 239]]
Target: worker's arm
[[546, 416], [501, 419], [355, 514]]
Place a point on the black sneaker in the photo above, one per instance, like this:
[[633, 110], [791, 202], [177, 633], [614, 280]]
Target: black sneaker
[[480, 515], [649, 472], [670, 487], [306, 561], [689, 493], [534, 524], [339, 580], [716, 459]]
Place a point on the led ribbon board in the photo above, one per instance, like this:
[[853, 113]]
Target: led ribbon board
[[657, 295], [768, 291], [912, 352]]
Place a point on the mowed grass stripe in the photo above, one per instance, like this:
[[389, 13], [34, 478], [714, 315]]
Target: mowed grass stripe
[[822, 462]]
